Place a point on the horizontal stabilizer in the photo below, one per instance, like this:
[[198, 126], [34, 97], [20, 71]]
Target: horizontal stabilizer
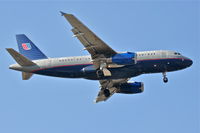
[[26, 75], [20, 59]]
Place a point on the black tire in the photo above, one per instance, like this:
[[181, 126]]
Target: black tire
[[165, 80], [106, 93], [100, 73]]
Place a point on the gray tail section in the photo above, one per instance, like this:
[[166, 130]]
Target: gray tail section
[[23, 61]]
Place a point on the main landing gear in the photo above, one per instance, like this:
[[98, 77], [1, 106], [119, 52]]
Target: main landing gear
[[103, 71], [165, 79], [100, 73], [106, 93]]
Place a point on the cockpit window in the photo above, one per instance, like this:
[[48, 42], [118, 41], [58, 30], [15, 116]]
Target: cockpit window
[[177, 53]]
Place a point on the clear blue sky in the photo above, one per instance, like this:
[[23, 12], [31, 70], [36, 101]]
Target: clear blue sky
[[48, 105]]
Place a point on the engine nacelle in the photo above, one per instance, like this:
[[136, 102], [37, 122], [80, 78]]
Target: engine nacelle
[[124, 58], [131, 88]]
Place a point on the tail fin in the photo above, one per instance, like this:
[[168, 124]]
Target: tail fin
[[28, 48], [20, 59]]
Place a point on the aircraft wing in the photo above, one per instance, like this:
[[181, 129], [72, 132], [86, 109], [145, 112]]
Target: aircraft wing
[[108, 89], [92, 43]]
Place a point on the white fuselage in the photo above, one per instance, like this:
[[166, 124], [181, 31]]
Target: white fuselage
[[142, 59]]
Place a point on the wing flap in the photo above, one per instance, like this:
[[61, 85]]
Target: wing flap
[[88, 46]]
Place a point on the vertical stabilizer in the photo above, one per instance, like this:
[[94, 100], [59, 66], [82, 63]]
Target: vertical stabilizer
[[28, 48]]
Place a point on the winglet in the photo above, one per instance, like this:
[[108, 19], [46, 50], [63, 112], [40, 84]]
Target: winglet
[[62, 13]]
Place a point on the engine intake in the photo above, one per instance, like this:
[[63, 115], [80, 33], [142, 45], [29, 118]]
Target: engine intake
[[131, 88]]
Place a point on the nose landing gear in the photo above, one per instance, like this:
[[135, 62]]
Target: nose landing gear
[[165, 79]]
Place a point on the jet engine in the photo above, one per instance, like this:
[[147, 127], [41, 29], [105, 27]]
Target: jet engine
[[131, 88], [124, 58]]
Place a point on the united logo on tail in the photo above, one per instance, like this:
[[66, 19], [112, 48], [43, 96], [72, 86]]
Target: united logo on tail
[[26, 46]]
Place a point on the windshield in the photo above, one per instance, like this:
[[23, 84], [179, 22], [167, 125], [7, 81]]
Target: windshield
[[177, 53]]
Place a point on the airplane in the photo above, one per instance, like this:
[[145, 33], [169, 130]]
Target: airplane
[[113, 69]]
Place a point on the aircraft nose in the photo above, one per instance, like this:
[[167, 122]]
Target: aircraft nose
[[188, 62]]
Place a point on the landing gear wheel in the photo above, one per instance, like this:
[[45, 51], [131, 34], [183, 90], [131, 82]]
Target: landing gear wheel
[[100, 73], [106, 93], [165, 79]]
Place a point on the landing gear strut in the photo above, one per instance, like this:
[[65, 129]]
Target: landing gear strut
[[165, 79], [103, 71]]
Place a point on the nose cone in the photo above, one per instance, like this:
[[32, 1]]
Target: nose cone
[[188, 62]]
